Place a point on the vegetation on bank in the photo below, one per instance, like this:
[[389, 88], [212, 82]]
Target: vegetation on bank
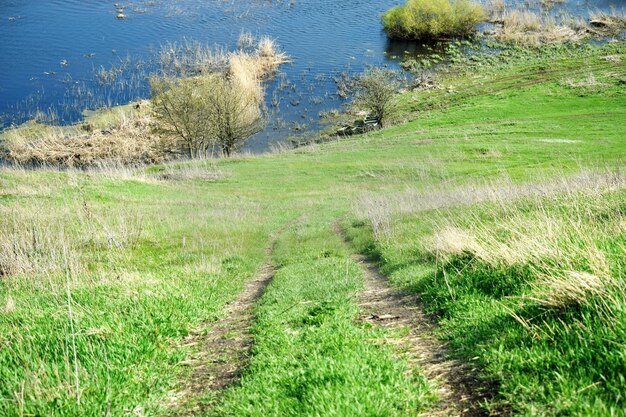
[[118, 136], [510, 24], [205, 102], [499, 201]]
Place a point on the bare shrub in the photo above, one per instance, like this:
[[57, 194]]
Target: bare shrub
[[235, 114], [375, 92], [218, 111], [207, 113], [180, 106]]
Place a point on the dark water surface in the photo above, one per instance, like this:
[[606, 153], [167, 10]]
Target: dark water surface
[[51, 50]]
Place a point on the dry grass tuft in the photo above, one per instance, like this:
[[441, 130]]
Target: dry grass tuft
[[205, 171], [9, 305], [571, 289], [246, 40], [453, 241], [526, 28], [587, 82], [607, 24], [616, 59], [127, 141]]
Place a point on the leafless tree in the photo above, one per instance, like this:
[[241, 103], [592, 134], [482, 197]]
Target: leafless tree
[[206, 113], [375, 92], [235, 114]]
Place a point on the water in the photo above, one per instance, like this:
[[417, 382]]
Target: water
[[50, 51]]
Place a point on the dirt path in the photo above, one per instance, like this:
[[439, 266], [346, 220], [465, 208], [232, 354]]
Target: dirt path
[[222, 354], [459, 392]]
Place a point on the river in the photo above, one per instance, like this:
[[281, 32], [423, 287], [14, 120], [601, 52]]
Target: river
[[51, 51]]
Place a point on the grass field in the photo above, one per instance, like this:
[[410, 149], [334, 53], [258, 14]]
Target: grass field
[[500, 201]]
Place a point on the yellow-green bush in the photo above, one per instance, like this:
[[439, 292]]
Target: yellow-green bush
[[432, 19]]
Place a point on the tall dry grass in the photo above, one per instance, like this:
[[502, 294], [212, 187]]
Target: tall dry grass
[[127, 140], [530, 27], [38, 245], [30, 247], [381, 209], [570, 233], [250, 69], [562, 243], [522, 27]]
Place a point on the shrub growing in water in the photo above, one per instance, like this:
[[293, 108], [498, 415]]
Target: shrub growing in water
[[431, 19]]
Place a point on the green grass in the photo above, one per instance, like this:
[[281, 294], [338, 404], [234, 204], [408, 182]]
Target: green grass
[[152, 260], [505, 311], [310, 357]]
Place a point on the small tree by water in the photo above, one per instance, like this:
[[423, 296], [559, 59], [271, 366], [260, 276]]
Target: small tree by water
[[375, 92], [206, 114]]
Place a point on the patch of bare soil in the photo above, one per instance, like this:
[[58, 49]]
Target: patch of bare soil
[[460, 392]]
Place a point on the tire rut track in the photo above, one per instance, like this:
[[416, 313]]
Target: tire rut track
[[459, 390], [223, 353]]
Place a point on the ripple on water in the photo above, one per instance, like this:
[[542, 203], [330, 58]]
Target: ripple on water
[[322, 37]]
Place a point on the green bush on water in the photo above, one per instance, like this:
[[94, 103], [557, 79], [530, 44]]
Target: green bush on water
[[432, 19]]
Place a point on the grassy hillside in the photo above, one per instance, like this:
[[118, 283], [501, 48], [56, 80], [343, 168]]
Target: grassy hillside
[[103, 274]]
